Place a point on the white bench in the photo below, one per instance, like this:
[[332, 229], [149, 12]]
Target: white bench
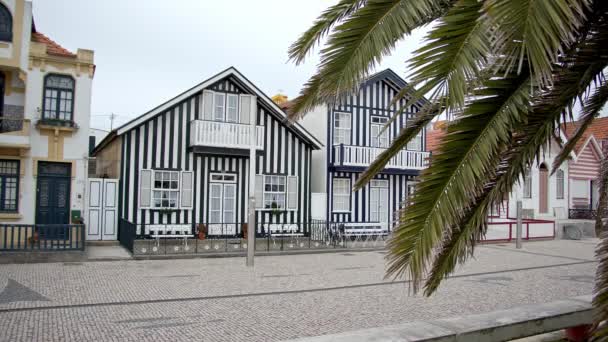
[[283, 229], [365, 229], [170, 231]]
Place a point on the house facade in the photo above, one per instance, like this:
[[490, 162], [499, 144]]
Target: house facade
[[353, 135], [584, 166], [187, 161], [45, 94], [544, 195]]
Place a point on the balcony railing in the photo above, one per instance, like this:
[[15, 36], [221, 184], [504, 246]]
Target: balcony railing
[[347, 155], [582, 214], [14, 132], [224, 134]]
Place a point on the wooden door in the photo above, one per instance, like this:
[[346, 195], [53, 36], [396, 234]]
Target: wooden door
[[53, 193]]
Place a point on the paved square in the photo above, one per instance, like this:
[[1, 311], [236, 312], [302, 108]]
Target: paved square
[[282, 297]]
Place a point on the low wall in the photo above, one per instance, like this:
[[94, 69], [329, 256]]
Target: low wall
[[503, 325]]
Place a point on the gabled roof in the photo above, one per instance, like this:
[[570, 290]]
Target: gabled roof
[[52, 48], [248, 85], [387, 75], [598, 129]]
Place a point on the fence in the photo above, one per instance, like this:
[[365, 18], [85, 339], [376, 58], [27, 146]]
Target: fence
[[582, 214], [161, 239], [42, 237], [504, 229]]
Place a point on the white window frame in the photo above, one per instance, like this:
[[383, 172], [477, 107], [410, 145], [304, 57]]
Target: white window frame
[[341, 191], [527, 184], [175, 191], [416, 143], [235, 119], [559, 184], [270, 180], [342, 134], [217, 105], [217, 177], [377, 139]]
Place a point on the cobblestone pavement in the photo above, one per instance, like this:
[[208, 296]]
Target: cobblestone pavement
[[282, 297]]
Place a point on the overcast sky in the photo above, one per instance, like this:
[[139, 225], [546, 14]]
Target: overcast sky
[[148, 51]]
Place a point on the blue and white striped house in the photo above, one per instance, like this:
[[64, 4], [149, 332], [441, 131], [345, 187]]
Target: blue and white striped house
[[350, 130], [186, 162]]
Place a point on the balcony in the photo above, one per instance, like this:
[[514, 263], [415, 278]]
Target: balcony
[[14, 132], [363, 156], [223, 137]]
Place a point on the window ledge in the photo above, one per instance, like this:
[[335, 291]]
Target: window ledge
[[341, 211], [10, 216], [61, 125]]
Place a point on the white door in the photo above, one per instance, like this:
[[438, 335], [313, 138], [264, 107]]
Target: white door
[[378, 211], [222, 209], [102, 209]]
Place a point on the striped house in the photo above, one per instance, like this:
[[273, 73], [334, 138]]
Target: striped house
[[186, 162], [352, 131], [584, 164]]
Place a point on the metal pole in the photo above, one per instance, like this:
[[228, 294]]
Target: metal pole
[[252, 159], [519, 224]]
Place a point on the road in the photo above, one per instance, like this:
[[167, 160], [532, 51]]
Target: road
[[281, 298]]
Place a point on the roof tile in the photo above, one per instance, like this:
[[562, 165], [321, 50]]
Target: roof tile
[[52, 48]]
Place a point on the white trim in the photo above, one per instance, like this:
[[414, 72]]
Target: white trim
[[198, 88], [594, 143]]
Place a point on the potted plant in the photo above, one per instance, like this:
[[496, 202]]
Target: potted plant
[[201, 231]]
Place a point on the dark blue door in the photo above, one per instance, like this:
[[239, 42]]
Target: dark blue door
[[53, 199]]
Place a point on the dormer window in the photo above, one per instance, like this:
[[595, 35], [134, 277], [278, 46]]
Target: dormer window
[[6, 24]]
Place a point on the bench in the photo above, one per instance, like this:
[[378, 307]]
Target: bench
[[283, 230], [358, 229], [170, 231]]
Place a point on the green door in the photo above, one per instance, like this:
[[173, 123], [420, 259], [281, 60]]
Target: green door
[[53, 193]]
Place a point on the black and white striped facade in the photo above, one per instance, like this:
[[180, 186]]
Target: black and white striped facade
[[161, 140], [348, 157]]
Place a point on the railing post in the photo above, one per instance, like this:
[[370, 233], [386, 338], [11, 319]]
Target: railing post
[[341, 154], [519, 225]]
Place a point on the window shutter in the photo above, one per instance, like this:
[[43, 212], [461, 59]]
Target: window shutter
[[186, 190], [245, 109], [259, 191], [292, 192], [208, 104], [145, 188]]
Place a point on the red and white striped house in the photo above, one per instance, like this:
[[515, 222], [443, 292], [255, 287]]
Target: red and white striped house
[[584, 165]]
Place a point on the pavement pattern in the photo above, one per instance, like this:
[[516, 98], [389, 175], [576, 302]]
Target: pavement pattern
[[281, 298]]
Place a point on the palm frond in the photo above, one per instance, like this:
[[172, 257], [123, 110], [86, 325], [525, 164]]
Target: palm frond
[[571, 79], [591, 109], [470, 149], [358, 43], [535, 32], [602, 204], [600, 291], [454, 54], [421, 120], [303, 46]]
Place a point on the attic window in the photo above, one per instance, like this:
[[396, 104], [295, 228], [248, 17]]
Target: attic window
[[6, 24]]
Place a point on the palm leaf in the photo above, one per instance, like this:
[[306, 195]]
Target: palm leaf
[[535, 32], [304, 45], [591, 109], [356, 45], [454, 54], [469, 150], [571, 80], [420, 121], [602, 205]]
